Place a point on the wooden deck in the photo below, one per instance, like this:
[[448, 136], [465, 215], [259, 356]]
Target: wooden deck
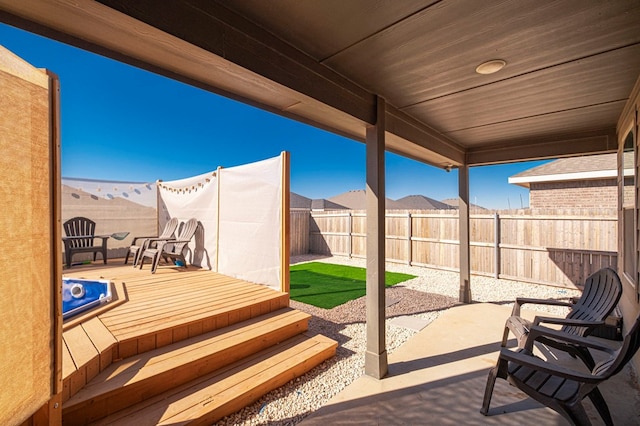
[[179, 323]]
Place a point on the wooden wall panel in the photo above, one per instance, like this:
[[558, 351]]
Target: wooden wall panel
[[27, 316]]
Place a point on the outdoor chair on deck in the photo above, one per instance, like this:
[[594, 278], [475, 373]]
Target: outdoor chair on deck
[[80, 236], [171, 249], [558, 387], [602, 291], [139, 244]]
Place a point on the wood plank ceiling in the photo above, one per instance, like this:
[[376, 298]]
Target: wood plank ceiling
[[570, 64]]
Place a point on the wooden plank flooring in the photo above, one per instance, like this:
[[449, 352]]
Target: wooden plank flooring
[[213, 396], [145, 375], [160, 309]]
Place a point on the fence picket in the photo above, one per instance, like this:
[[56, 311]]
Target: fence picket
[[559, 248]]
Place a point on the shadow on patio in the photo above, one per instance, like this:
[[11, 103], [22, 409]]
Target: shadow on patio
[[439, 377]]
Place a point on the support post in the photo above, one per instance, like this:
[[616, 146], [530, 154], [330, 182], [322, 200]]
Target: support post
[[463, 218], [159, 205], [285, 234], [376, 364], [496, 225], [350, 236], [54, 406], [409, 234], [636, 171], [218, 185]]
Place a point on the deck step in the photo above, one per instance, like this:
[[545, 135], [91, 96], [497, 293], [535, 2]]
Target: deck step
[[213, 396], [145, 375]]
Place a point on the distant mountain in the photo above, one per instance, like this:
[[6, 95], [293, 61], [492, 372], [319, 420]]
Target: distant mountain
[[420, 202]]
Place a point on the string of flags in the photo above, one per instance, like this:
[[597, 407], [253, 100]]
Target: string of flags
[[187, 189], [97, 189]]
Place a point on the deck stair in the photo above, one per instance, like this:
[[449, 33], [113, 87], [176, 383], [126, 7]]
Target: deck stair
[[203, 378]]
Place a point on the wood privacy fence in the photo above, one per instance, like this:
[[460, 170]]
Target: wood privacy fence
[[299, 232], [551, 247]]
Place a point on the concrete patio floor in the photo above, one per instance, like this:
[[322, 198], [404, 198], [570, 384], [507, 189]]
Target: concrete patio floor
[[438, 377]]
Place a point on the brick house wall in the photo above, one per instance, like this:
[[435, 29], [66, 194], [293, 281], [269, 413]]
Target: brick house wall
[[599, 193]]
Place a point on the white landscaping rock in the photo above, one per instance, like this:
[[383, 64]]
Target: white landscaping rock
[[423, 297]]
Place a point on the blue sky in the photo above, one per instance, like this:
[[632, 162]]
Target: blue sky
[[122, 123]]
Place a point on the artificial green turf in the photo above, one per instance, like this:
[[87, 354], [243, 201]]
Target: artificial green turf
[[326, 286]]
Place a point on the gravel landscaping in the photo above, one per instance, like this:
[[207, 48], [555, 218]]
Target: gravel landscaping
[[422, 298]]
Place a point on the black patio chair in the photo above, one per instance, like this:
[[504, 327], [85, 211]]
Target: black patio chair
[[80, 236], [602, 291], [557, 387]]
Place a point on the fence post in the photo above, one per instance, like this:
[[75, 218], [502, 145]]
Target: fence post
[[496, 225], [409, 231], [350, 237]]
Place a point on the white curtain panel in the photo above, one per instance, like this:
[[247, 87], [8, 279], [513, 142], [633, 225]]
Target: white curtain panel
[[197, 197], [242, 225], [250, 222]]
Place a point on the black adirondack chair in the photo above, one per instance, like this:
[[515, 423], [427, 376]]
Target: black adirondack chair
[[561, 388], [602, 291], [80, 238]]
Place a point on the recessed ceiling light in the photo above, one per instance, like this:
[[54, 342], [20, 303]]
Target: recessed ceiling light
[[491, 66]]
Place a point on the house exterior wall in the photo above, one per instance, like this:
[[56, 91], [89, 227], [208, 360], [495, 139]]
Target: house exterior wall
[[629, 123], [600, 193]]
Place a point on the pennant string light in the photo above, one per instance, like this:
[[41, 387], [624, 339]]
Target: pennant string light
[[97, 189], [186, 189]]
